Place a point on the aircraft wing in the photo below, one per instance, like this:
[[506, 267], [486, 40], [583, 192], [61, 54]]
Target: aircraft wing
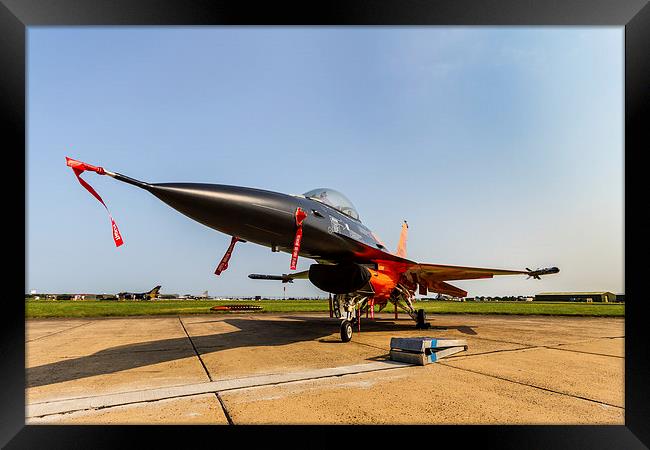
[[432, 277], [440, 272]]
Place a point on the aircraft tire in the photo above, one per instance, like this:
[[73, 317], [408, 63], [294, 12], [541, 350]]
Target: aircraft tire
[[346, 331]]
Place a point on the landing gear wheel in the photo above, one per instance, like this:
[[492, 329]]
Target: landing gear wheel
[[421, 320], [346, 331]]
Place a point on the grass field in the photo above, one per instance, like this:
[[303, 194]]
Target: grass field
[[37, 309]]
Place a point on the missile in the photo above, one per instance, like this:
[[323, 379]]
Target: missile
[[284, 277], [539, 272]]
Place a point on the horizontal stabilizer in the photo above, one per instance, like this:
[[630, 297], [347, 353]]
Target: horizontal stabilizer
[[441, 287]]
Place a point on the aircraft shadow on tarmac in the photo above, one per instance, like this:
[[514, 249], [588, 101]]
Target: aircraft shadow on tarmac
[[256, 332]]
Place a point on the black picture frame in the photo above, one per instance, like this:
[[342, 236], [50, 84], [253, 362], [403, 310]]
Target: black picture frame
[[17, 15]]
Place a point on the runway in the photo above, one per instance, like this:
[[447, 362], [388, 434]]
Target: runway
[[259, 368]]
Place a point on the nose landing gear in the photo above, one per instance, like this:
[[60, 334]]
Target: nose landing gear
[[348, 307]]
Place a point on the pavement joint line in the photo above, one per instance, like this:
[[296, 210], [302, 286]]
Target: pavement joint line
[[225, 410], [87, 397], [516, 343], [80, 397], [151, 395], [534, 386], [539, 346], [550, 347], [593, 340], [505, 350], [453, 357], [60, 331], [207, 372], [587, 353], [503, 342], [521, 349]]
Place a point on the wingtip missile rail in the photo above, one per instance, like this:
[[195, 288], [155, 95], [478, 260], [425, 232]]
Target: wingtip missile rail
[[539, 272]]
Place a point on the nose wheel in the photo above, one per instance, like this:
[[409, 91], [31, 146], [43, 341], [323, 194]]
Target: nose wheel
[[346, 331]]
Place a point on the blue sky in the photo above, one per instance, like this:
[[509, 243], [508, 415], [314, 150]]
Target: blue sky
[[501, 146]]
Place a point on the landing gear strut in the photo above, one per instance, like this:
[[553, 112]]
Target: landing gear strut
[[348, 307], [401, 293]]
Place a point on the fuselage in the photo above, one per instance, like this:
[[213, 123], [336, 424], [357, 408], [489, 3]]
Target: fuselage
[[268, 218]]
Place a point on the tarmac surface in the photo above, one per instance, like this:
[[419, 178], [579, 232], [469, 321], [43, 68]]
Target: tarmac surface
[[260, 368]]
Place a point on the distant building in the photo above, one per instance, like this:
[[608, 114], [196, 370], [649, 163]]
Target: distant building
[[600, 297], [620, 298]]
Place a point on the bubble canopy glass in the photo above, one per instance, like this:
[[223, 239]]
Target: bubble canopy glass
[[334, 199]]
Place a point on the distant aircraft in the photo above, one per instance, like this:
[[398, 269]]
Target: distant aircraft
[[321, 224], [139, 295]]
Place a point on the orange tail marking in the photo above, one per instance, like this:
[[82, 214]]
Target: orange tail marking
[[401, 246]]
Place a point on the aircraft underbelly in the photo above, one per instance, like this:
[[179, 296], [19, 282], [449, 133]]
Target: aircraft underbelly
[[383, 283]]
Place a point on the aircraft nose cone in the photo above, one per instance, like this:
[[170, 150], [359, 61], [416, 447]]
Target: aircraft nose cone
[[251, 214]]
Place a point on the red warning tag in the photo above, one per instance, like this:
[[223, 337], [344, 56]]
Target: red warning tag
[[300, 217], [223, 265], [78, 168], [117, 237]]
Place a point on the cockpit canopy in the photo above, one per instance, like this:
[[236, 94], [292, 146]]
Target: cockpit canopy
[[334, 199]]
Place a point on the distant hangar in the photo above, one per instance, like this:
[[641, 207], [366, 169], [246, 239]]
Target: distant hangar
[[603, 297]]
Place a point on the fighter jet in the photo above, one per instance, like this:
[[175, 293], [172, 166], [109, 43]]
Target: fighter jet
[[321, 224], [139, 295]]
